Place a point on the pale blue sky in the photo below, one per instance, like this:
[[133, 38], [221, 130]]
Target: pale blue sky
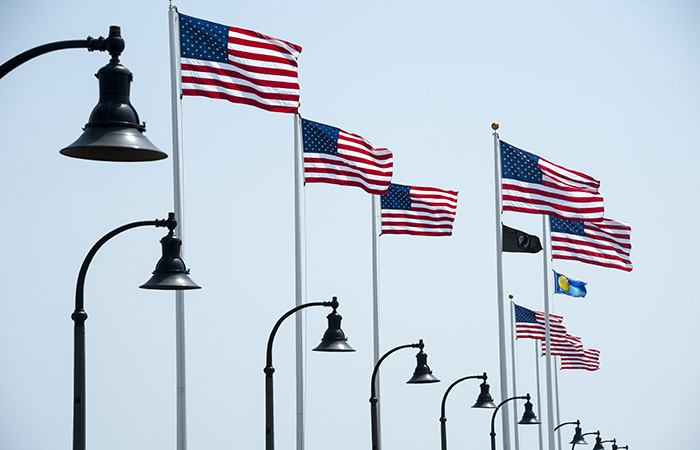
[[607, 88]]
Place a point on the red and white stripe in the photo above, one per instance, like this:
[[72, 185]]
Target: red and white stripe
[[537, 331], [356, 164], [432, 213], [588, 359], [261, 71], [606, 243]]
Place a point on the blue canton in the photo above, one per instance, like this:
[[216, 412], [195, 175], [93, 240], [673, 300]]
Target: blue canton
[[524, 315], [397, 197], [566, 226], [319, 138], [519, 165], [201, 39]]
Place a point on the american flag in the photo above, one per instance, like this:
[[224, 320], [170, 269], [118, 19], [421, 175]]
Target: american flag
[[416, 210], [531, 184], [604, 243], [333, 156], [562, 347], [587, 359], [238, 65], [531, 324]]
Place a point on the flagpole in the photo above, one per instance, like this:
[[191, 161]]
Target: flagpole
[[376, 227], [300, 277], [181, 428], [516, 434], [538, 352], [502, 340], [556, 390], [546, 255]]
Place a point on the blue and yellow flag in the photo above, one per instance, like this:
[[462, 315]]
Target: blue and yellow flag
[[567, 286]]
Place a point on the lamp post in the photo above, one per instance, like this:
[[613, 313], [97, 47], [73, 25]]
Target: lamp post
[[615, 447], [422, 374], [597, 446], [333, 340], [113, 131], [529, 417], [578, 437], [483, 401], [170, 274]]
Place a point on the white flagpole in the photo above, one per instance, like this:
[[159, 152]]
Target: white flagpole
[[556, 390], [300, 277], [546, 254], [180, 216], [538, 352], [502, 340], [376, 227], [516, 434]]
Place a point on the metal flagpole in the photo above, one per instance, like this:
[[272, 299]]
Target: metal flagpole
[[556, 390], [546, 254], [516, 434], [180, 217], [300, 277], [502, 340], [538, 352], [376, 226]]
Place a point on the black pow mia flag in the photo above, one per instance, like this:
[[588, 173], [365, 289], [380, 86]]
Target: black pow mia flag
[[518, 241]]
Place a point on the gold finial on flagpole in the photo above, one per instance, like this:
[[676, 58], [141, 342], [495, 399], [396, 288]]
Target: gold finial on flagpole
[[494, 126]]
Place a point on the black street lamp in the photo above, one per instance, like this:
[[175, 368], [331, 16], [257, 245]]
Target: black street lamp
[[422, 374], [333, 340], [615, 447], [578, 437], [483, 401], [170, 274], [614, 441], [113, 132], [529, 417], [597, 446]]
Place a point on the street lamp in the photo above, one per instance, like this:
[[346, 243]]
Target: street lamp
[[615, 447], [333, 340], [170, 274], [422, 374], [529, 417], [578, 437], [113, 131], [483, 401], [597, 446], [614, 441]]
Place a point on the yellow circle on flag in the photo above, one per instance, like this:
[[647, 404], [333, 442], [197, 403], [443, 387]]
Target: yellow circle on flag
[[563, 282]]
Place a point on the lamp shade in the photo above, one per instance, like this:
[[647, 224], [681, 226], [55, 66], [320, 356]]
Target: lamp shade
[[484, 400], [578, 437], [113, 131], [334, 339], [422, 374], [529, 416], [598, 443], [170, 273]]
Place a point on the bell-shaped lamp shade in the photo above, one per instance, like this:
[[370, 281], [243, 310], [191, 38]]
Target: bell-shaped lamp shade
[[578, 437], [334, 339], [484, 400], [171, 273], [529, 416], [422, 374], [113, 132], [598, 444]]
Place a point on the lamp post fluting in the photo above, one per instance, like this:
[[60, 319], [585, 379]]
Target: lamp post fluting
[[483, 401], [333, 340], [170, 274], [529, 417], [422, 374]]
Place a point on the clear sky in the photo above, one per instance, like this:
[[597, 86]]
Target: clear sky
[[607, 88]]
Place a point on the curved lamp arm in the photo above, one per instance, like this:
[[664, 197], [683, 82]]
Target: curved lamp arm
[[493, 418], [577, 423], [114, 44]]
